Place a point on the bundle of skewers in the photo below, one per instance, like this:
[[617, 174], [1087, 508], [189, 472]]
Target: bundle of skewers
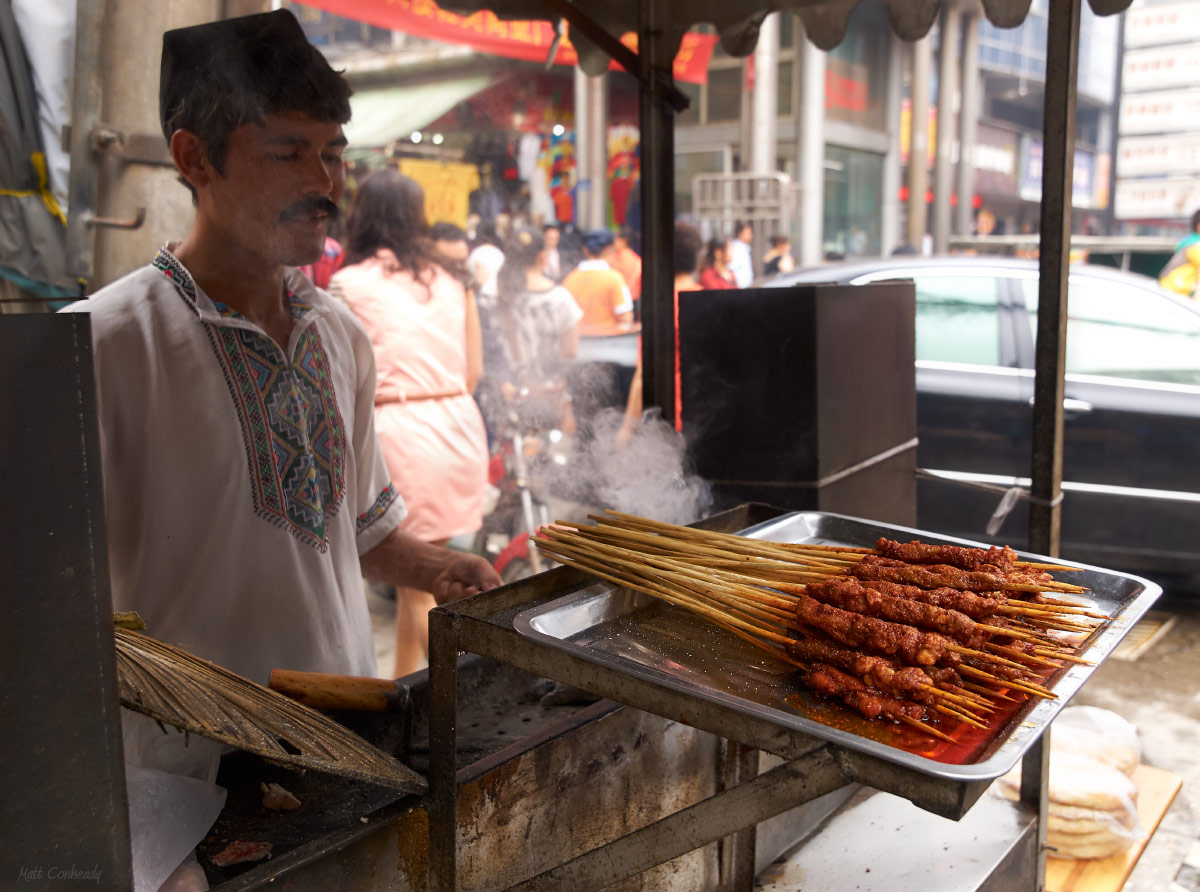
[[914, 633]]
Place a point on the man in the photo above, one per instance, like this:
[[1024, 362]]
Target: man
[[599, 289], [1182, 272], [741, 261], [626, 261], [450, 241], [553, 268], [245, 494]]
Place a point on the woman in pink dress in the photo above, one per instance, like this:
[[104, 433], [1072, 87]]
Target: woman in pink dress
[[423, 324]]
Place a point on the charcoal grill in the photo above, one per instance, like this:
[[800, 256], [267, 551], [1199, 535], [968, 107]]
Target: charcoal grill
[[812, 762]]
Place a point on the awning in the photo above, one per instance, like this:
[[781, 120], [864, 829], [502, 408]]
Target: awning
[[825, 21], [383, 116]]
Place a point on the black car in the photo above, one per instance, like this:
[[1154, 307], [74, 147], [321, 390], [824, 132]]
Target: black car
[[1131, 475]]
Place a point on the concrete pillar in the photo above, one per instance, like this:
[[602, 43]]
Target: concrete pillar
[[116, 84], [810, 151], [765, 98], [972, 94], [591, 150], [918, 142], [889, 229], [943, 161]]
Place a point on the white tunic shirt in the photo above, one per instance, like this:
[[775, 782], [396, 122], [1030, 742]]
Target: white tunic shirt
[[241, 485]]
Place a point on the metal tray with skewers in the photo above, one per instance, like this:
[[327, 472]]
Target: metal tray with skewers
[[759, 623]]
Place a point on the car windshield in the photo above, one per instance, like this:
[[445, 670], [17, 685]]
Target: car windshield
[[1120, 330]]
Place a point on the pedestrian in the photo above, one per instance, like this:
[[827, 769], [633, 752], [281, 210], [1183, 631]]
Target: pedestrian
[[245, 492], [553, 269], [599, 290], [741, 259], [626, 261], [415, 304], [715, 274], [779, 258], [1182, 272], [450, 240], [539, 325], [688, 245]]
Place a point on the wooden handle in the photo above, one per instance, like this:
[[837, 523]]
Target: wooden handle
[[320, 690]]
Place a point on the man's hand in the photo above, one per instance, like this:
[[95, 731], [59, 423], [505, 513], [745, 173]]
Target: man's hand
[[401, 560], [463, 576]]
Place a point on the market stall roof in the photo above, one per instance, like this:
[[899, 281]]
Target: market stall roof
[[824, 20], [383, 116]]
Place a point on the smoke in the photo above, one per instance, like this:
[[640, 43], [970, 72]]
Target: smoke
[[649, 476]]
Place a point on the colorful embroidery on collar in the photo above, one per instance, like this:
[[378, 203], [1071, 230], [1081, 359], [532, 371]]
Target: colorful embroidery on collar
[[293, 432], [378, 508], [166, 263]]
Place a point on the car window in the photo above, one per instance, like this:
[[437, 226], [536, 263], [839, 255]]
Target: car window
[[1123, 331], [958, 319]]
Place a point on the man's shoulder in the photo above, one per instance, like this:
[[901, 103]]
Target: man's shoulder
[[145, 291]]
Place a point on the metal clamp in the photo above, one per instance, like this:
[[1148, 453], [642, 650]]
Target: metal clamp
[[139, 218], [130, 148]]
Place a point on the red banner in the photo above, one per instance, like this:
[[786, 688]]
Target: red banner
[[487, 33]]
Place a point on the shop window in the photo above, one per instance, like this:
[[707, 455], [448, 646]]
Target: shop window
[[785, 103], [853, 184], [691, 114], [856, 70], [725, 94]]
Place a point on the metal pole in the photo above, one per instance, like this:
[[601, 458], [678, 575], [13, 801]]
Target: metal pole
[[943, 162], [443, 752], [918, 142], [657, 123], [971, 91], [1058, 130], [810, 150]]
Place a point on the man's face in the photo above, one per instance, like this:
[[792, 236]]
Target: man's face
[[458, 250], [281, 184], [551, 236], [746, 234]]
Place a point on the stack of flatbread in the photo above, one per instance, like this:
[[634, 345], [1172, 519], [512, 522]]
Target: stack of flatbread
[[1093, 801]]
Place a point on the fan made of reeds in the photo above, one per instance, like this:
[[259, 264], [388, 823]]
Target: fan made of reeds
[[196, 696]]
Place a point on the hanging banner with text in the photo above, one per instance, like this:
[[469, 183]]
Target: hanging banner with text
[[483, 31]]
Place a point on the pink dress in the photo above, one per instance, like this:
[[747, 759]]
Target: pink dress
[[429, 427]]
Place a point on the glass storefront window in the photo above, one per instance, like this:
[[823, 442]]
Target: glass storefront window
[[856, 70], [725, 94], [853, 195]]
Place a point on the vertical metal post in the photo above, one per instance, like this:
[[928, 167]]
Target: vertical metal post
[[918, 141], [971, 90], [943, 162], [1058, 129], [739, 851], [583, 144], [443, 752], [658, 207], [1035, 771], [86, 95], [597, 169]]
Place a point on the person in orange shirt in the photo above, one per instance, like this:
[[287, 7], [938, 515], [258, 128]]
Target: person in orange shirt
[[626, 261], [687, 247], [599, 289]]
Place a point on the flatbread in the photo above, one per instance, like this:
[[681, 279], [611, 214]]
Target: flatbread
[[1080, 781], [1099, 733], [1088, 846], [1123, 815], [1110, 823]]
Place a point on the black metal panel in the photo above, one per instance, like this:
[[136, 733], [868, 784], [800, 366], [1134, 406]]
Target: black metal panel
[[62, 775], [786, 390]]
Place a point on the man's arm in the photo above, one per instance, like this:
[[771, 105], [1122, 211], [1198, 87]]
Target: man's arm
[[403, 560]]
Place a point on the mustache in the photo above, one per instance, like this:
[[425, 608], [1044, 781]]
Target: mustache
[[306, 207]]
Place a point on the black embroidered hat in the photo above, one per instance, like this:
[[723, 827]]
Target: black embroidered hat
[[231, 72]]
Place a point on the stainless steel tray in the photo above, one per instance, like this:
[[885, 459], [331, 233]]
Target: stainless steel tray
[[639, 635]]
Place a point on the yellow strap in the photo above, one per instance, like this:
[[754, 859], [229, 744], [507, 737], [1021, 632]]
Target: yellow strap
[[38, 160]]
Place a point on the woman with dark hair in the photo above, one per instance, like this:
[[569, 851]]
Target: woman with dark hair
[[714, 272], [416, 307], [537, 325]]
